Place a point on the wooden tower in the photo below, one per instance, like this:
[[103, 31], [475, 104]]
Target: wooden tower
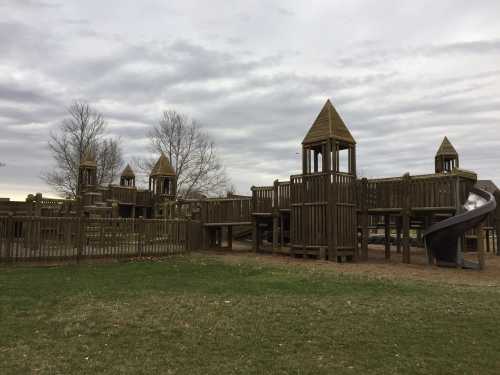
[[163, 180], [87, 174], [127, 179], [329, 145], [446, 157], [323, 198]]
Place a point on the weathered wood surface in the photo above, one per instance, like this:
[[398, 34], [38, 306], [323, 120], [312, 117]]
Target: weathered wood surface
[[42, 238]]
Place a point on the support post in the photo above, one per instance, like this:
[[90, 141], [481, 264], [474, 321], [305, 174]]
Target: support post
[[487, 233], [276, 213], [331, 189], [398, 234], [480, 246], [218, 237], [364, 218], [282, 232], [387, 236], [230, 237], [497, 224], [461, 241], [406, 218]]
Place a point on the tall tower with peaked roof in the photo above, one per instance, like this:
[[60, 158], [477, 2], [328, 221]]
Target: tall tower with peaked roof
[[446, 157], [163, 179], [328, 145], [87, 174]]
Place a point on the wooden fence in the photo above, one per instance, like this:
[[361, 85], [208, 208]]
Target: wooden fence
[[48, 238]]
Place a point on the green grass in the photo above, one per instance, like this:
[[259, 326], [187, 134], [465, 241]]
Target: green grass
[[197, 315]]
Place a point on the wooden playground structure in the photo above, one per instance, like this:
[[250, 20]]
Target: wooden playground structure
[[325, 212]]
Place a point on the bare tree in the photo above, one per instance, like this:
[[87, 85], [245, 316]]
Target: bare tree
[[192, 154], [82, 132]]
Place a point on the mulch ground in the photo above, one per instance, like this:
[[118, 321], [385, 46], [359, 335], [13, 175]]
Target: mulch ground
[[377, 266]]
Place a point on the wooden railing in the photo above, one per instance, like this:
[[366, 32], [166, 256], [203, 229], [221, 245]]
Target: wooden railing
[[226, 210], [267, 198], [262, 197], [123, 194], [144, 198], [436, 191], [25, 238], [282, 200]]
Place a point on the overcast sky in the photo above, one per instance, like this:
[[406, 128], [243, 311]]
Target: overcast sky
[[402, 74]]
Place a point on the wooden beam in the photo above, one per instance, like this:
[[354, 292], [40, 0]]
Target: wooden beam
[[387, 236], [398, 234], [364, 219], [230, 237], [480, 246], [406, 218]]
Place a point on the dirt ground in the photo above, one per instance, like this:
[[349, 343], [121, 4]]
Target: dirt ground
[[378, 266]]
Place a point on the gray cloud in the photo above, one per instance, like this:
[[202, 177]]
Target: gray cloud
[[255, 79]]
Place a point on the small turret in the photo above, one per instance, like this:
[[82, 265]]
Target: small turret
[[127, 177], [163, 180], [446, 157]]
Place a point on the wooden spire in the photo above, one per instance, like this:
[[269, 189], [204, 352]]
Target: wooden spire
[[163, 167], [128, 172], [446, 148], [328, 125]]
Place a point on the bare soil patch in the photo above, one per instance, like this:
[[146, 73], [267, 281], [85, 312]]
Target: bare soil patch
[[377, 266]]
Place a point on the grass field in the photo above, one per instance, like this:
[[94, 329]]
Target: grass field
[[201, 315]]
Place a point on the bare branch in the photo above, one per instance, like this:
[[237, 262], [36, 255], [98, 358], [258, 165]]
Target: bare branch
[[191, 152], [83, 131]]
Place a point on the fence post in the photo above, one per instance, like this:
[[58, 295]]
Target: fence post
[[9, 234], [82, 222], [497, 223], [189, 231], [276, 214], [255, 229], [140, 236]]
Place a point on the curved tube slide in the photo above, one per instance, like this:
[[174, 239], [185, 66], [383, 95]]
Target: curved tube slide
[[441, 239]]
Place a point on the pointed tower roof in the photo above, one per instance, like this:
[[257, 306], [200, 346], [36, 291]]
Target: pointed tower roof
[[446, 148], [88, 160], [128, 172], [327, 125], [163, 167]]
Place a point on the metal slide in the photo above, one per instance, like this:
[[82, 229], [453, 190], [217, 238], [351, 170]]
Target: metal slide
[[441, 239]]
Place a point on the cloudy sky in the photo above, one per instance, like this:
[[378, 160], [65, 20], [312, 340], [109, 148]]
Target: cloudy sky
[[402, 74]]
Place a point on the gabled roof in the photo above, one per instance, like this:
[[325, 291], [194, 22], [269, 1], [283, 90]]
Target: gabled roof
[[128, 172], [88, 160], [446, 148], [327, 125], [163, 167]]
